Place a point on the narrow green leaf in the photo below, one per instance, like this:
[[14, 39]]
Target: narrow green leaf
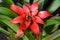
[[25, 37], [8, 2], [54, 6], [53, 36], [19, 4], [4, 31], [40, 6], [55, 28], [52, 21], [29, 35], [44, 33], [12, 34], [35, 0], [7, 12], [5, 17], [7, 23], [58, 38], [27, 1]]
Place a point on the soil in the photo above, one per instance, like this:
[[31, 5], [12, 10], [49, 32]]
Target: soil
[[4, 36]]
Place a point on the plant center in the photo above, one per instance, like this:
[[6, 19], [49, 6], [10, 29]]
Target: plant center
[[28, 17]]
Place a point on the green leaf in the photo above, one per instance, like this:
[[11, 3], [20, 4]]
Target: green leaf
[[6, 21], [49, 29], [52, 21], [12, 34], [8, 2], [54, 6], [19, 4], [52, 36], [35, 0], [29, 35], [4, 31], [7, 12], [27, 1], [25, 37], [52, 24], [5, 17], [58, 38], [41, 4], [55, 28]]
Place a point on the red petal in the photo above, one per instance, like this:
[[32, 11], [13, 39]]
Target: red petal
[[27, 23], [34, 6], [19, 32], [24, 25], [38, 20], [18, 19], [26, 9], [44, 14], [34, 12], [16, 9], [35, 28]]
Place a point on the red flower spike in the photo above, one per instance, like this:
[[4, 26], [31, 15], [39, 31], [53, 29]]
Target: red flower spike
[[35, 28], [29, 17], [44, 14], [19, 32], [34, 6], [16, 9], [38, 20], [26, 9]]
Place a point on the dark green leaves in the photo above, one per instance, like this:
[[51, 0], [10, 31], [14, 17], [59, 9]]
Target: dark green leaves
[[54, 6], [58, 38], [51, 25], [27, 1], [53, 36], [52, 21], [8, 2], [35, 0], [6, 21], [4, 31], [4, 17], [10, 25], [40, 6], [25, 37]]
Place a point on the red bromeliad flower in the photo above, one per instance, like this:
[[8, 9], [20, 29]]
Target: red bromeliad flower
[[29, 17]]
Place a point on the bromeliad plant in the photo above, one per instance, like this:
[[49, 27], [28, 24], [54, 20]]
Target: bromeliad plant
[[19, 17], [28, 17]]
